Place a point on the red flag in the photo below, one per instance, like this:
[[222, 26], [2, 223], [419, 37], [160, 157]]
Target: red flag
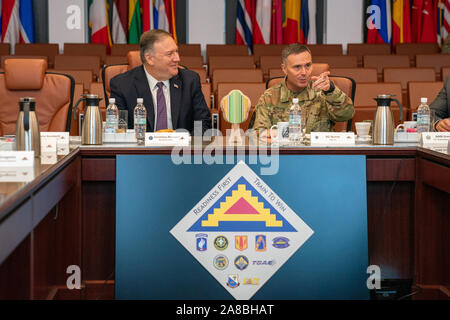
[[416, 13], [276, 30], [401, 22], [428, 30]]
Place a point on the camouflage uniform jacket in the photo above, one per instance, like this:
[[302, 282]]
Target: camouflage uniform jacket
[[322, 110]]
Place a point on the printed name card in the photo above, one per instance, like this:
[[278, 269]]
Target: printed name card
[[16, 159], [435, 139], [332, 138], [48, 144], [62, 141], [169, 139]]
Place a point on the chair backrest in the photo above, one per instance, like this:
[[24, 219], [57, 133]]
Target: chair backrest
[[109, 72], [134, 59], [236, 75], [86, 49], [4, 58], [419, 89], [445, 72], [75, 129], [49, 50], [361, 49], [202, 73], [251, 90], [260, 50], [348, 86], [121, 49], [192, 61], [269, 62], [317, 69], [5, 49], [64, 62], [206, 90], [436, 61], [404, 75], [357, 74], [53, 93], [382, 61], [235, 106], [116, 60], [325, 49], [413, 49], [84, 77], [338, 61], [275, 73], [230, 62], [366, 93], [97, 88], [225, 50], [189, 50]]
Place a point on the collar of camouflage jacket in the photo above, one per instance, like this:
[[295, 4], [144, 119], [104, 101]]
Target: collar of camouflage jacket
[[286, 95]]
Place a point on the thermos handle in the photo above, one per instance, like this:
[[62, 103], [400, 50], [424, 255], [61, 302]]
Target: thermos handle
[[26, 116], [75, 108], [401, 108]]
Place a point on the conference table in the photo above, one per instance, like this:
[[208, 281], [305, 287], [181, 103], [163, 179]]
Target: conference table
[[66, 216]]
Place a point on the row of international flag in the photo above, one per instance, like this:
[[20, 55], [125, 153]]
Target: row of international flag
[[405, 21], [274, 22], [16, 17]]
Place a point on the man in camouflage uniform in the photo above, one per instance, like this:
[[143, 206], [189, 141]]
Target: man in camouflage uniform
[[322, 103]]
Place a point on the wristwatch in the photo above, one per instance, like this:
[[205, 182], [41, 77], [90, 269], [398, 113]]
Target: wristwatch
[[331, 88]]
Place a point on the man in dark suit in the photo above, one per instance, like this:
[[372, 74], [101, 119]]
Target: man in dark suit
[[172, 96], [441, 108]]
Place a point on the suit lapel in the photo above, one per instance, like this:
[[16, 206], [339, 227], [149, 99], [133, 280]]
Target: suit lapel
[[143, 91], [175, 99]]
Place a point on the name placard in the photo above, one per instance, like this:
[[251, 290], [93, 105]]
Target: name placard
[[16, 174], [169, 139], [332, 138], [62, 141], [16, 159], [437, 139]]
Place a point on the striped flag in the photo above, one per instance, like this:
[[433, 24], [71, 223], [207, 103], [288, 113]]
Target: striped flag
[[26, 22], [312, 38], [134, 22], [170, 15], [261, 30], [148, 9], [276, 29], [119, 25], [10, 21], [244, 28], [445, 29], [98, 22], [304, 22], [401, 22], [291, 23], [379, 23]]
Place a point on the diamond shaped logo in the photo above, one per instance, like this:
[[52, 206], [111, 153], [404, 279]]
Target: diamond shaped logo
[[240, 213]]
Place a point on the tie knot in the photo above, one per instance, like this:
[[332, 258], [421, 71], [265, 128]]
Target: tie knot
[[160, 85]]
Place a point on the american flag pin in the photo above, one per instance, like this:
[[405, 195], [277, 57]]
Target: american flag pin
[[175, 85]]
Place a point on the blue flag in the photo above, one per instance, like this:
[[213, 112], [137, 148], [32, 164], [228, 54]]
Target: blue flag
[[26, 21]]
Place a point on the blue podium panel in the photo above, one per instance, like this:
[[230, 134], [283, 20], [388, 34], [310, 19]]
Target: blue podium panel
[[327, 192]]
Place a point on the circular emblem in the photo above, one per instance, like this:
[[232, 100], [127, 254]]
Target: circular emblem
[[221, 243], [241, 262], [221, 262]]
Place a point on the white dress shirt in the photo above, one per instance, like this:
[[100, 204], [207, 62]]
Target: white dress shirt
[[166, 90]]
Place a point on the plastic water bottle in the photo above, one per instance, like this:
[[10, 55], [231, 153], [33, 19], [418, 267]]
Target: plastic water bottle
[[112, 117], [140, 121], [423, 116], [295, 121]]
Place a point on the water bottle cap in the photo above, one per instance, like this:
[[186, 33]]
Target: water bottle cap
[[424, 100], [140, 100], [295, 100], [112, 100]]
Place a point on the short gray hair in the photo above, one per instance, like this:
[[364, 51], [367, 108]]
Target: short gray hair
[[148, 39], [293, 48]]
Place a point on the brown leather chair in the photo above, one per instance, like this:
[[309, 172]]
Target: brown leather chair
[[86, 49], [134, 59], [251, 90], [202, 73], [192, 61], [445, 72], [49, 50], [4, 58], [5, 49], [121, 49], [236, 75], [361, 49], [225, 50], [404, 75], [419, 89], [413, 49], [275, 73], [84, 77], [317, 69], [348, 86], [383, 61], [109, 60], [436, 61], [109, 72], [366, 93], [337, 61], [230, 62], [206, 90], [189, 50], [260, 50], [269, 62], [54, 94], [357, 74], [97, 88], [65, 62], [325, 49]]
